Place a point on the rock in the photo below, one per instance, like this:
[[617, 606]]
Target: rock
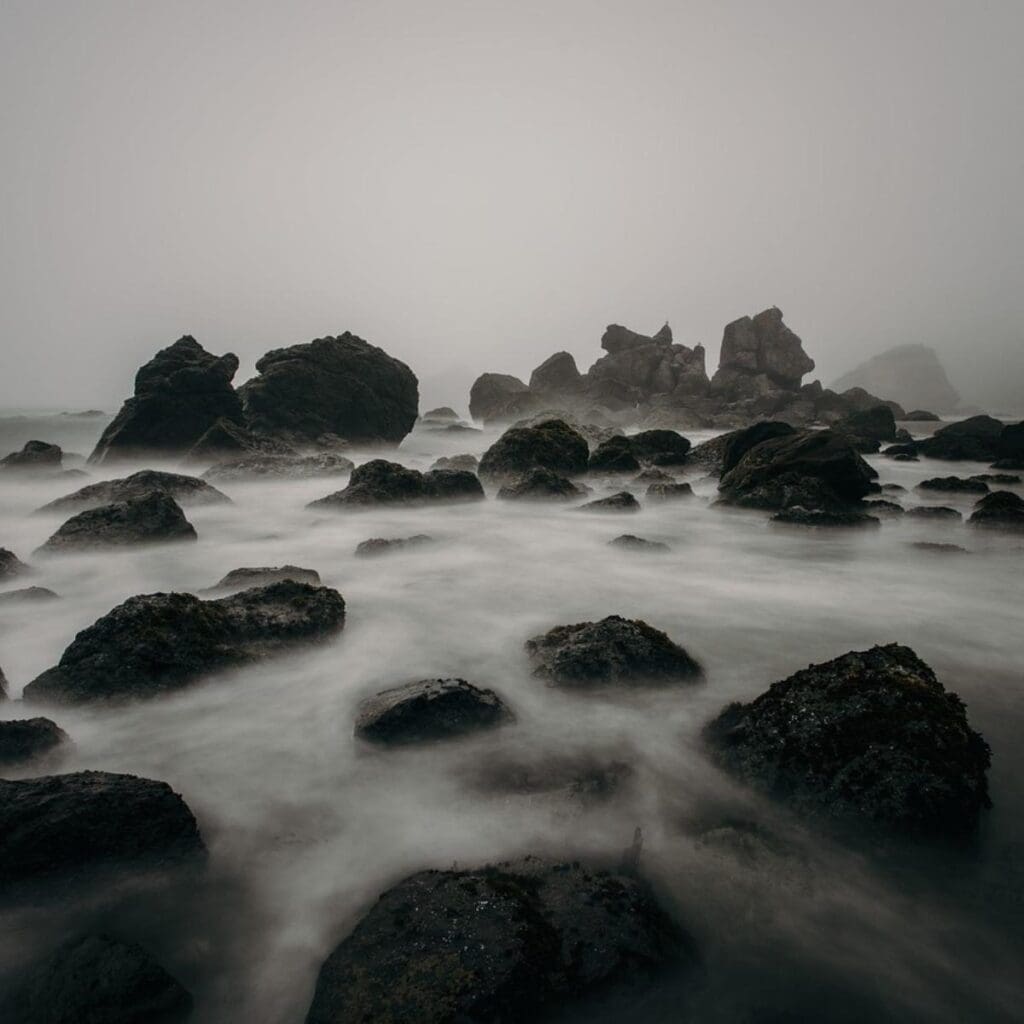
[[938, 549], [872, 425], [507, 943], [894, 488], [155, 643], [612, 651], [556, 374], [442, 414], [881, 507], [34, 457], [281, 467], [614, 456], [975, 438], [798, 516], [342, 386], [28, 594], [907, 452], [912, 374], [99, 980], [661, 447], [500, 396], [871, 736], [668, 492], [587, 779], [228, 440], [823, 459], [638, 368], [621, 502], [11, 566], [737, 443], [153, 519], [432, 709], [465, 463], [653, 475], [541, 485], [953, 485], [379, 482], [264, 575], [381, 546], [939, 512], [921, 416], [179, 394], [1002, 510], [69, 824], [858, 400], [630, 542], [762, 346], [996, 478], [550, 445], [187, 491], [24, 739]]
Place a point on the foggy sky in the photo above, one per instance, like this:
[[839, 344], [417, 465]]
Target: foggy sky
[[475, 185]]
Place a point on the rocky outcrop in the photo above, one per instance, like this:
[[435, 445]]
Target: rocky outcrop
[[264, 575], [59, 825], [977, 437], [11, 566], [227, 440], [1010, 449], [953, 485], [467, 463], [921, 416], [507, 943], [25, 739], [614, 456], [379, 482], [28, 594], [339, 386], [646, 366], [871, 737], [187, 491], [541, 485], [910, 374], [432, 709], [500, 396], [556, 375], [621, 502], [613, 651], [99, 980], [661, 491], [179, 394], [280, 467], [155, 518], [737, 443], [385, 546], [552, 445], [630, 542], [935, 513], [1000, 510], [156, 643], [660, 447], [34, 458], [868, 428]]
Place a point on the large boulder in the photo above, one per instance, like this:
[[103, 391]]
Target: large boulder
[[342, 386], [612, 651], [875, 424], [65, 824], [379, 482], [760, 347], [11, 566], [1000, 510], [99, 980], [35, 457], [155, 518], [557, 374], [179, 394], [541, 485], [910, 374], [155, 643], [615, 455], [737, 443], [280, 467], [25, 739], [1010, 448], [660, 447], [431, 709], [550, 445], [977, 437], [500, 396], [503, 944], [871, 737], [187, 491], [644, 367]]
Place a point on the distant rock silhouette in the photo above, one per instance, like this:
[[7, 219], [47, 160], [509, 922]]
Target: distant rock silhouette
[[910, 374]]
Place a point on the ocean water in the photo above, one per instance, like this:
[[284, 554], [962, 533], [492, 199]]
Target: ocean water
[[306, 826]]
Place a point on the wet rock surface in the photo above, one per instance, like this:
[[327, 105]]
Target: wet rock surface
[[379, 482], [1001, 510], [974, 438], [24, 739], [871, 736], [466, 463], [621, 502], [541, 485], [187, 491], [263, 575], [552, 445], [228, 440], [156, 643], [388, 545]]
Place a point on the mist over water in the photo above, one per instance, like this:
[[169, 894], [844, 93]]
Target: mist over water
[[306, 825]]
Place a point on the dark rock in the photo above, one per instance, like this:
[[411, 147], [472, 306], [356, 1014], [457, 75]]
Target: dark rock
[[1011, 443], [34, 457], [638, 368], [28, 594], [797, 516], [953, 484], [228, 440], [872, 425], [99, 980], [938, 549], [940, 512], [903, 436], [501, 944], [1001, 510], [556, 374], [737, 443], [500, 396], [27, 738], [881, 507], [155, 643], [871, 736], [465, 463], [66, 824], [661, 447], [379, 482], [975, 438], [432, 709], [442, 414], [996, 478], [668, 492], [550, 445], [282, 467], [179, 394], [621, 502], [763, 345], [586, 779], [912, 374], [894, 488], [11, 566], [155, 518], [342, 386], [614, 650], [187, 491], [653, 475], [382, 546], [902, 451], [541, 485], [921, 416], [264, 575], [858, 400], [630, 542], [614, 456]]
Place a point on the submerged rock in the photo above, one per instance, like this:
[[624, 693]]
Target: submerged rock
[[99, 980], [621, 502], [432, 709], [871, 736], [156, 643], [552, 445], [379, 482], [587, 779], [612, 651], [24, 739], [11, 566], [383, 546], [281, 467], [668, 491], [541, 485], [187, 491], [630, 542], [28, 594], [66, 824], [1001, 510], [823, 518], [953, 484], [263, 575], [974, 438], [996, 478], [155, 518], [881, 507], [939, 549], [466, 463], [501, 944], [336, 385], [179, 394], [35, 457], [935, 512], [442, 414]]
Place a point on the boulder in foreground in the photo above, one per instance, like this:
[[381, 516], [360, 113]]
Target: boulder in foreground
[[155, 643], [99, 980], [612, 651], [871, 737], [187, 491], [502, 944], [379, 482]]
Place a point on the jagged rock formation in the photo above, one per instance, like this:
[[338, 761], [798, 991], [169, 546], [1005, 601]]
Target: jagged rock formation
[[910, 374]]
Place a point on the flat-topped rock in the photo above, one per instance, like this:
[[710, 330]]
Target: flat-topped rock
[[795, 515], [934, 512], [389, 545], [953, 485], [187, 491], [621, 502]]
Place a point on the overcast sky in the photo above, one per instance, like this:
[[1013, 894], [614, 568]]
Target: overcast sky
[[475, 185]]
